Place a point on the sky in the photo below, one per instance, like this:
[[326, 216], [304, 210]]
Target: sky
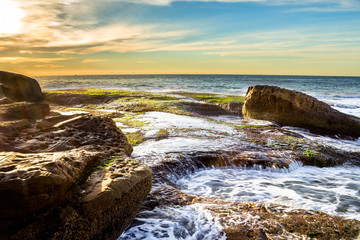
[[284, 37]]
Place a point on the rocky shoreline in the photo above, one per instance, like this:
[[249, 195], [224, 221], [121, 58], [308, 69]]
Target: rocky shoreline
[[67, 171]]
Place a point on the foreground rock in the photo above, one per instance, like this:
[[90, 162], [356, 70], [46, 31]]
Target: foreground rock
[[52, 190], [297, 109], [63, 177], [23, 110], [19, 88]]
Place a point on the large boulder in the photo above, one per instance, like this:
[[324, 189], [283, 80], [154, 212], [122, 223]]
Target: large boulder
[[297, 109], [69, 177], [19, 88]]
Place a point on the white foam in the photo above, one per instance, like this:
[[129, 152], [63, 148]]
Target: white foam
[[168, 120], [68, 113], [186, 133], [130, 130], [187, 223], [333, 190], [346, 145], [180, 145], [348, 105]]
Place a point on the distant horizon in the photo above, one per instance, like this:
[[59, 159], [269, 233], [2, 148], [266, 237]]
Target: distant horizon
[[251, 37], [174, 74]]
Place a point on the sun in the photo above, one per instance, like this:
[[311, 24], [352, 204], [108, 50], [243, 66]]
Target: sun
[[10, 17]]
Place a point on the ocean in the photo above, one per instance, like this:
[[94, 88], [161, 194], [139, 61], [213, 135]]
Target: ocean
[[333, 190], [342, 93]]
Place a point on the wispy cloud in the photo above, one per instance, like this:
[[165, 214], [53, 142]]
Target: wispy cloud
[[27, 59], [145, 62], [72, 27], [315, 5], [48, 66], [92, 60], [95, 31]]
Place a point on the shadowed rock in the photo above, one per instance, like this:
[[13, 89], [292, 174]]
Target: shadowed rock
[[23, 110], [297, 109], [19, 88]]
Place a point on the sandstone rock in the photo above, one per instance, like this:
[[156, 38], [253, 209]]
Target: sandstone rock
[[23, 110], [234, 107], [5, 100], [71, 99], [49, 188], [242, 221], [204, 109], [19, 88], [297, 109]]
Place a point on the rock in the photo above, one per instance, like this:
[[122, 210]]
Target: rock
[[73, 99], [242, 221], [19, 88], [234, 107], [73, 180], [5, 100], [23, 110], [297, 109], [204, 109]]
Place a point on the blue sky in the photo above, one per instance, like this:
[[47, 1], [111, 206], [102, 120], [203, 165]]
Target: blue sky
[[309, 37]]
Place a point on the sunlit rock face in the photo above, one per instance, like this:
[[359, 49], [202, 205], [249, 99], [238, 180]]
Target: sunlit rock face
[[63, 176], [19, 88], [56, 180], [292, 108]]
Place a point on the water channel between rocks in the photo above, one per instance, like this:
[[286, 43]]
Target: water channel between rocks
[[333, 190]]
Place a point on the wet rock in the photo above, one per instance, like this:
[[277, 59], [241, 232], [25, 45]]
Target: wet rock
[[270, 221], [5, 100], [205, 109], [23, 110], [49, 188], [19, 88], [73, 99], [234, 107], [297, 109]]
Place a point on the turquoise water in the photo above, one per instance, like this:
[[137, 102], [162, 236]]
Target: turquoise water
[[343, 93]]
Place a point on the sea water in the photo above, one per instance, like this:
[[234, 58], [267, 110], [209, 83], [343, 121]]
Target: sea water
[[342, 93], [334, 190]]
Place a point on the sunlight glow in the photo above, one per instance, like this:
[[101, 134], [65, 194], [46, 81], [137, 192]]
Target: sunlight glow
[[10, 17]]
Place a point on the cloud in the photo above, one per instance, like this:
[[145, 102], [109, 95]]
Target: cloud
[[330, 5], [48, 66], [27, 59], [92, 60], [74, 27], [145, 62]]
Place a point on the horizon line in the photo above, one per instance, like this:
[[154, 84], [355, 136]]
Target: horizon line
[[225, 74]]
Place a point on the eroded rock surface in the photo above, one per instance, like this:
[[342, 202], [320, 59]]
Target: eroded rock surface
[[297, 109], [243, 221], [23, 110], [53, 189]]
